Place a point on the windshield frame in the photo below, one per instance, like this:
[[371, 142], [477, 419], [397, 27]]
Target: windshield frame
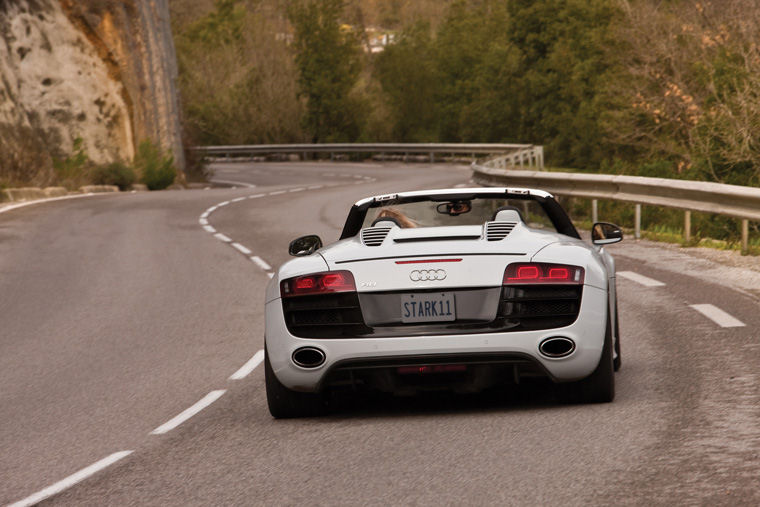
[[551, 207]]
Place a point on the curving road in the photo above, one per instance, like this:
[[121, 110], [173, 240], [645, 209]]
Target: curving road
[[133, 322]]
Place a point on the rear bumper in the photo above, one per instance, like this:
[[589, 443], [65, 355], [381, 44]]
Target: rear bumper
[[587, 332]]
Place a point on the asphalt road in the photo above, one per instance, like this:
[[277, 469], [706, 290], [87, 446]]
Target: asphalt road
[[119, 312]]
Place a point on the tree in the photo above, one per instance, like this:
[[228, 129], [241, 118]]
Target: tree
[[328, 58], [406, 71], [566, 47], [238, 77], [689, 94]]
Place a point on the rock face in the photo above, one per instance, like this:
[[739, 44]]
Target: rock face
[[102, 70]]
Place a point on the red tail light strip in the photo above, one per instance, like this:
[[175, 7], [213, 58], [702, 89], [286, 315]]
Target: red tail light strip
[[437, 368], [426, 261]]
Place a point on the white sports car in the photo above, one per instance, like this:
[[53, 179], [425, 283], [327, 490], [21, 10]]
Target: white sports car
[[458, 289]]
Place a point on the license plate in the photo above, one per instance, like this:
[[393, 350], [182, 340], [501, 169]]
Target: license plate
[[429, 307]]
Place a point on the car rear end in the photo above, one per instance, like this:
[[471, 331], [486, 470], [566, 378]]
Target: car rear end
[[462, 322]]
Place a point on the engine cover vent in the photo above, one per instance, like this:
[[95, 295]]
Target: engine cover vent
[[374, 236], [496, 231]]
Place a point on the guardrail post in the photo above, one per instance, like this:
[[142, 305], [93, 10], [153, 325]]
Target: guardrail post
[[687, 226], [745, 236], [637, 226], [594, 211], [432, 157]]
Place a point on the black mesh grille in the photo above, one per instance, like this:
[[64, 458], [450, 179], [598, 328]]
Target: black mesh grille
[[540, 306], [324, 316], [521, 307]]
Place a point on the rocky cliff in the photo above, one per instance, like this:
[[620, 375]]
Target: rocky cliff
[[102, 70]]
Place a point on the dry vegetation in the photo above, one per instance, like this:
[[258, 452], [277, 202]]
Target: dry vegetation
[[689, 87]]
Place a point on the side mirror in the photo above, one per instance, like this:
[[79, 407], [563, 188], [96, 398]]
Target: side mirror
[[305, 245], [603, 233]]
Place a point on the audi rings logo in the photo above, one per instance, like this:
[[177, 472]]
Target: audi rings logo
[[425, 275]]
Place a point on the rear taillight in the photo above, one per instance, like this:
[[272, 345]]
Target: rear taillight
[[541, 272], [318, 283]]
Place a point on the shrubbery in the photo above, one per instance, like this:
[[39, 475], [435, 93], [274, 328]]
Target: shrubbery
[[74, 170], [155, 165], [115, 173]]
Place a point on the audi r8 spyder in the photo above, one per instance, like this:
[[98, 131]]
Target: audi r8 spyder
[[459, 289]]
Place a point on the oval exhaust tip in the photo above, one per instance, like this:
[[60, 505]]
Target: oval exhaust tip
[[557, 346], [308, 357]]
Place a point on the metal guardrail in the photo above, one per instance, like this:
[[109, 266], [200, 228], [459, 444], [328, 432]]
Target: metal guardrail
[[532, 156], [730, 200], [523, 154]]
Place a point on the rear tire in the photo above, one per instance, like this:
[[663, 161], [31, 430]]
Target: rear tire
[[285, 403], [617, 362], [599, 387]]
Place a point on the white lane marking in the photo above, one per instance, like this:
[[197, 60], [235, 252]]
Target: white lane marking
[[208, 228], [270, 275], [203, 221], [211, 210], [17, 205], [238, 199], [225, 203], [242, 249], [188, 412], [299, 189], [256, 196], [249, 366], [71, 480], [227, 182], [461, 185], [718, 316], [277, 192], [314, 187], [222, 237], [205, 215], [260, 263], [643, 280]]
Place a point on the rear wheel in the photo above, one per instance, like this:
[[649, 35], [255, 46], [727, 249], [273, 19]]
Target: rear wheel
[[599, 387], [285, 403]]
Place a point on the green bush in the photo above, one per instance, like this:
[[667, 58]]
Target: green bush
[[76, 169], [115, 173], [155, 166]]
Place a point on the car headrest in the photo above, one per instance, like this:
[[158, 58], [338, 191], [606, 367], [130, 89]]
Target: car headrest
[[388, 222], [507, 214]]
